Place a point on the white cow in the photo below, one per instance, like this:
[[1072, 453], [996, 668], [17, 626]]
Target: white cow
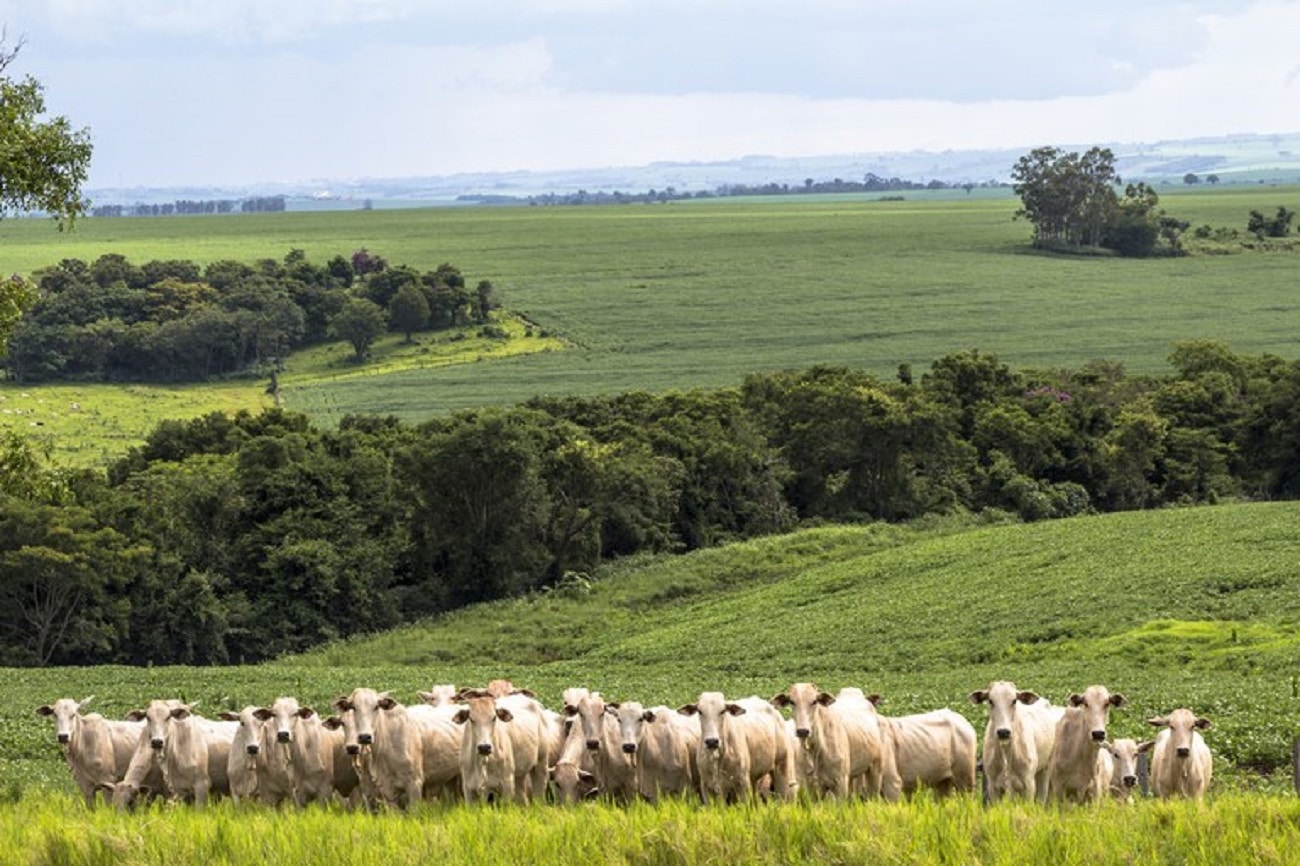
[[613, 768], [245, 751], [352, 777], [487, 757], [740, 743], [839, 739], [935, 750], [1080, 734], [572, 773], [144, 774], [440, 695], [307, 749], [98, 750], [1181, 764], [661, 745], [195, 751], [1124, 755], [440, 738], [394, 742], [1018, 741]]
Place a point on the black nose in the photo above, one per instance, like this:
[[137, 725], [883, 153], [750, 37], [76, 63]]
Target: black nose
[[365, 739], [352, 749], [1099, 736], [802, 733], [156, 743], [64, 738], [593, 744], [485, 748], [630, 748], [1004, 733], [711, 743], [1130, 781], [253, 748], [282, 736], [1183, 751]]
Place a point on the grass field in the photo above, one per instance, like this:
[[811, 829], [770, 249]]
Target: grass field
[[697, 294]]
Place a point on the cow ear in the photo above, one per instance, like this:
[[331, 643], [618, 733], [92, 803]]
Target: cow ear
[[614, 706], [386, 703], [228, 716], [528, 693], [84, 702], [45, 710], [826, 699], [135, 715], [735, 709], [342, 704], [1075, 699], [461, 717], [1158, 721], [688, 709], [505, 715], [781, 700], [306, 712], [262, 714], [1203, 723], [180, 713], [1118, 700], [1027, 697], [332, 723], [875, 699], [427, 697], [648, 716], [1145, 746], [979, 696]]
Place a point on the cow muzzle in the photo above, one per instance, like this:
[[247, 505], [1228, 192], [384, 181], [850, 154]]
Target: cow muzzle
[[64, 739], [1099, 736], [1129, 781], [485, 748], [352, 749], [1005, 734], [1183, 751], [711, 744], [802, 733], [252, 748], [283, 737], [156, 744], [629, 748], [593, 745], [366, 739]]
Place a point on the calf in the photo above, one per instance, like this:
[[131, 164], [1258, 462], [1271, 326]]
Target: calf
[[839, 739], [1080, 733], [1018, 741], [98, 751], [740, 743], [1124, 756], [1181, 764]]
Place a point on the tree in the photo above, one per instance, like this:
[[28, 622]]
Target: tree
[[1212, 179], [1191, 179], [360, 322], [408, 311], [1277, 227], [1069, 198], [43, 163]]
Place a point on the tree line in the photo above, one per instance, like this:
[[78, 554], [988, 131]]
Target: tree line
[[191, 207], [238, 538], [114, 320]]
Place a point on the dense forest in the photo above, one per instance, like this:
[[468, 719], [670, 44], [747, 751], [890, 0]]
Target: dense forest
[[229, 539], [113, 320]]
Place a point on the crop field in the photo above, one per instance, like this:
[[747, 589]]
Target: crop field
[[697, 294]]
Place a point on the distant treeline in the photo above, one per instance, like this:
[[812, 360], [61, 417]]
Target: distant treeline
[[113, 320], [257, 204], [227, 539], [870, 183]]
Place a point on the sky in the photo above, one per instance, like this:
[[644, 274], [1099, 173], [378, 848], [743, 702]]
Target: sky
[[241, 92]]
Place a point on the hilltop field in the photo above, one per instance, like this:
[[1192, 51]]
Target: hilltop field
[[689, 294]]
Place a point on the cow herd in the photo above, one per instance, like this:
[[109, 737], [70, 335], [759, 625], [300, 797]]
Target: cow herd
[[499, 744]]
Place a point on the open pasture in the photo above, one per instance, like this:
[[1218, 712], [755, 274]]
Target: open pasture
[[697, 294]]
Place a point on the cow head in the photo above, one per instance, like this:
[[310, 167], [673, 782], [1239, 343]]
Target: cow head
[[364, 705], [1182, 725], [157, 716], [591, 714], [713, 710], [632, 719], [572, 783], [67, 714], [803, 699], [1002, 698], [1125, 753], [480, 718], [439, 696], [1095, 702], [283, 716], [248, 738]]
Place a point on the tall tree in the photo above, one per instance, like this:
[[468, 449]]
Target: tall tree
[[43, 162], [1068, 197], [360, 322]]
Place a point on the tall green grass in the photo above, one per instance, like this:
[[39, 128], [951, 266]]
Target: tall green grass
[[1231, 830]]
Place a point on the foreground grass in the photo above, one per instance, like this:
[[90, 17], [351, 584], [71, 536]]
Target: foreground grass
[[1229, 830]]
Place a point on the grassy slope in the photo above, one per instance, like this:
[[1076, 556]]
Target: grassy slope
[[1191, 607]]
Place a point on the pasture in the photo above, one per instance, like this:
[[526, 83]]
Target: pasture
[[697, 294]]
